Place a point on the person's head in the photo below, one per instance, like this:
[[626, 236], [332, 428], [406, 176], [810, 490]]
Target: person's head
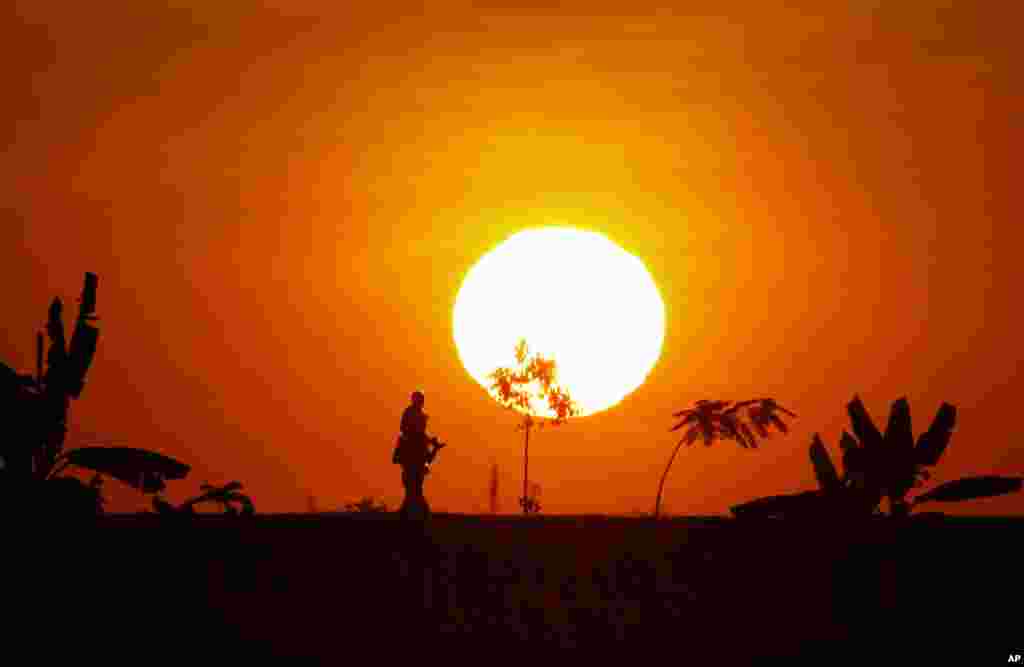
[[417, 398]]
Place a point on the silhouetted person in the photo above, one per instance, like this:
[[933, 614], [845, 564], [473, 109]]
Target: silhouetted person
[[414, 452]]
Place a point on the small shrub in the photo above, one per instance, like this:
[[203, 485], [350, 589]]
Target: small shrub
[[366, 505]]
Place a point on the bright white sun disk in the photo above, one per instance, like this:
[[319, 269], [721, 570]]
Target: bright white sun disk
[[576, 297]]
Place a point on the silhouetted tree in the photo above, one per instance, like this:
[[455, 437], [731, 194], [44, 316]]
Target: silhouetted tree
[[516, 388], [714, 420], [877, 466]]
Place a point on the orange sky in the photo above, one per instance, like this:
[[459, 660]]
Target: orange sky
[[281, 203]]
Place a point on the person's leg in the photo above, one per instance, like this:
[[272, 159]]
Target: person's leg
[[417, 499], [403, 511], [421, 496]]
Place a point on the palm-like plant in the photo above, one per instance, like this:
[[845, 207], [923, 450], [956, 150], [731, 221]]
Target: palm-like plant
[[34, 410], [723, 420], [229, 497], [877, 466], [516, 388]]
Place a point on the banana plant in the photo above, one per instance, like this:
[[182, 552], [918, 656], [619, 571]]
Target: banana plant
[[879, 466], [33, 414], [34, 410]]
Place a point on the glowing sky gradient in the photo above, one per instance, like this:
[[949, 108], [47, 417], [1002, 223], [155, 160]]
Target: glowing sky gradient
[[282, 199]]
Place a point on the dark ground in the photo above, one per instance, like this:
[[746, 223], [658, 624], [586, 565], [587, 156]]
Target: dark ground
[[692, 591]]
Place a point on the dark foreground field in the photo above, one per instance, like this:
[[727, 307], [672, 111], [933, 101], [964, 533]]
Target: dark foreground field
[[694, 591]]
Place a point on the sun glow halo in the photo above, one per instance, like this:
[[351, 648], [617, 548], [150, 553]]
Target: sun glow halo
[[576, 297]]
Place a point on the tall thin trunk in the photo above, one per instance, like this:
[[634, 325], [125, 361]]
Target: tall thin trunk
[[661, 484], [494, 488], [526, 466], [39, 360]]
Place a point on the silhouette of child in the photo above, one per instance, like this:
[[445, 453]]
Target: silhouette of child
[[414, 451]]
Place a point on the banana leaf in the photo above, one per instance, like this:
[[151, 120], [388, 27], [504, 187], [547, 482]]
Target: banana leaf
[[83, 340], [898, 433], [11, 379], [806, 503], [847, 442], [932, 443], [57, 354], [968, 488], [80, 356], [139, 468], [824, 469], [863, 427], [87, 306]]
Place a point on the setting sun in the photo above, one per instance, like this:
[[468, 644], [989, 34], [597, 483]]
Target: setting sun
[[575, 297]]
